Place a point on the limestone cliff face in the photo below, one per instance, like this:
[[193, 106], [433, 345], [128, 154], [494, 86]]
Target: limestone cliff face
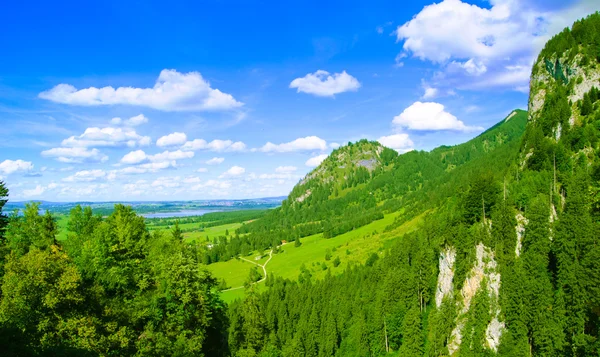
[[445, 286], [483, 275]]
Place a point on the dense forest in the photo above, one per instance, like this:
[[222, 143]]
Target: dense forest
[[506, 261]]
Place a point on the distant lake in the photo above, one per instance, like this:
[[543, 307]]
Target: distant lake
[[185, 213]]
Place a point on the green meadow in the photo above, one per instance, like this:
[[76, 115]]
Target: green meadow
[[353, 247]]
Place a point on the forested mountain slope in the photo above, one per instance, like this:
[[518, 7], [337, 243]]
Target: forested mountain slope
[[360, 182], [507, 262]]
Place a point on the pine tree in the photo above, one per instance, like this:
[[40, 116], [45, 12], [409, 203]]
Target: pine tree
[[586, 106], [544, 332], [412, 333], [574, 241], [176, 232]]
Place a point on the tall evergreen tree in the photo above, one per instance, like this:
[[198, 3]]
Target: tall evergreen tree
[[574, 241], [545, 335]]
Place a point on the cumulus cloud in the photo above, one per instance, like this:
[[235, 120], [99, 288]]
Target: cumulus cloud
[[173, 91], [215, 161], [202, 169], [399, 142], [134, 157], [285, 169], [171, 155], [430, 116], [37, 191], [315, 161], [107, 137], [75, 155], [215, 145], [86, 176], [151, 163], [300, 144], [476, 46], [133, 121], [8, 167], [322, 84], [233, 171], [173, 139]]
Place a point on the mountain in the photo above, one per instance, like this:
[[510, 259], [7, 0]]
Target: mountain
[[506, 261]]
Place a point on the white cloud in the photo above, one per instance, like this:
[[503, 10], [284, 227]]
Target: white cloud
[[215, 184], [86, 176], [145, 163], [202, 169], [233, 171], [334, 145], [191, 179], [430, 116], [142, 168], [315, 161], [8, 167], [87, 191], [471, 67], [399, 142], [430, 92], [285, 169], [107, 137], [136, 120], [215, 145], [215, 161], [75, 155], [470, 42], [166, 182], [38, 190], [455, 29], [173, 91], [173, 139], [300, 144], [322, 84], [171, 155], [133, 121], [134, 157]]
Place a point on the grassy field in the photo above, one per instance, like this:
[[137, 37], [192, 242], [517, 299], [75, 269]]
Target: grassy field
[[234, 271], [353, 247], [211, 232]]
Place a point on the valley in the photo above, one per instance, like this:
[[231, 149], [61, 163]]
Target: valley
[[484, 248]]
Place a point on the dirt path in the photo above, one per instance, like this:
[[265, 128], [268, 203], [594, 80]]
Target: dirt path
[[263, 266]]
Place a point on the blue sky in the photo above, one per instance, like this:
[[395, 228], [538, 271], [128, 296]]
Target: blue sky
[[239, 99]]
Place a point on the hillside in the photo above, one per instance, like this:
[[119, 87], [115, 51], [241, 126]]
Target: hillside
[[506, 261]]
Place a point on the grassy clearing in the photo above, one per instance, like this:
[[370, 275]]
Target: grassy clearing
[[359, 243], [211, 232], [234, 271]]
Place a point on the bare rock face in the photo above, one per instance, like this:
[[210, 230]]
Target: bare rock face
[[520, 228], [370, 164], [445, 286], [303, 196], [493, 333], [483, 274]]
